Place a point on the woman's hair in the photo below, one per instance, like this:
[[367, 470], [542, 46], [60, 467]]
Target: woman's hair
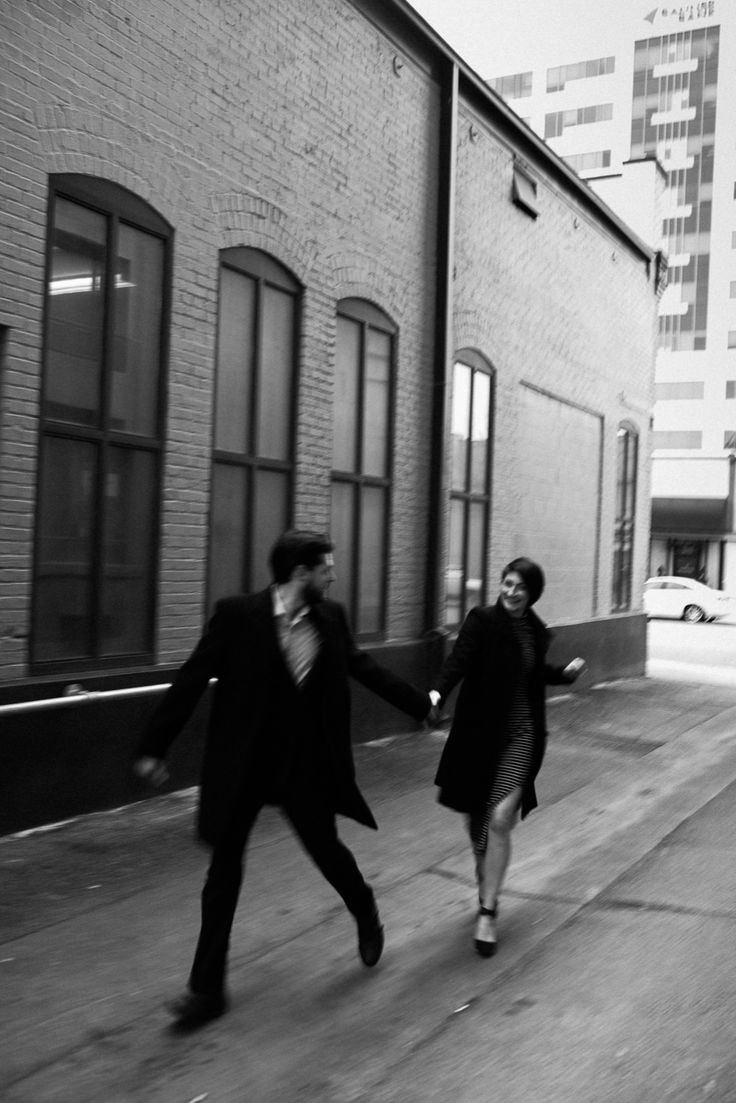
[[532, 574]]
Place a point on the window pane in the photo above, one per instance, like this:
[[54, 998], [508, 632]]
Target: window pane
[[372, 566], [276, 373], [376, 409], [234, 361], [128, 564], [476, 547], [480, 430], [454, 581], [63, 597], [270, 519], [342, 527], [227, 530], [345, 415], [138, 303], [75, 315], [460, 425]]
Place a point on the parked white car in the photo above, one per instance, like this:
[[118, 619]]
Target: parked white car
[[684, 598]]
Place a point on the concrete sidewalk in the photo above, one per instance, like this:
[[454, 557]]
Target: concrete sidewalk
[[99, 916]]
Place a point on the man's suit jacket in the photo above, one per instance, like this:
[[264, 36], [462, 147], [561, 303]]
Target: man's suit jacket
[[258, 728]]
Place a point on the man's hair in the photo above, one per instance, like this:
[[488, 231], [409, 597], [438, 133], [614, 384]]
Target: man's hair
[[297, 549]]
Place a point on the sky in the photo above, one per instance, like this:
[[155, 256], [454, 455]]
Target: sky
[[495, 37]]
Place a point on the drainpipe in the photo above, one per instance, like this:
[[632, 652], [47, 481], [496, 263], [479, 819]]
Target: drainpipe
[[443, 342]]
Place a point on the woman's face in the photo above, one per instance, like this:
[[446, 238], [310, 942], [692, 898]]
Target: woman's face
[[514, 594]]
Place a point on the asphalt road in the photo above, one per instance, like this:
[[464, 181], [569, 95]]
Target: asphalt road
[[699, 652], [614, 981]]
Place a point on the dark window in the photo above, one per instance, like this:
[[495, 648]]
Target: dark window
[[558, 77], [731, 388], [623, 531], [729, 439], [666, 391], [254, 418], [470, 485], [677, 438], [515, 86], [555, 122], [583, 162], [362, 461], [101, 414]]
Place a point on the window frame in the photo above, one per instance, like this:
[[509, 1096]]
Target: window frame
[[368, 316], [266, 271], [477, 363], [624, 523], [118, 206]]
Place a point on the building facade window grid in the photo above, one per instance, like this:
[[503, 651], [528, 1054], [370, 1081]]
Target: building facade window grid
[[361, 484], [470, 485], [107, 303], [255, 403], [672, 96]]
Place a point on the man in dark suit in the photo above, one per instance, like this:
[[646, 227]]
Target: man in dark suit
[[279, 733]]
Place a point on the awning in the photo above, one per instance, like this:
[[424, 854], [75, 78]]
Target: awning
[[690, 516]]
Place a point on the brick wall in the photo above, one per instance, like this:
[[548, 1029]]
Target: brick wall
[[560, 309], [306, 131]]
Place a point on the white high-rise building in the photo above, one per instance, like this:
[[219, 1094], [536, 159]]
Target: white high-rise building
[[613, 89]]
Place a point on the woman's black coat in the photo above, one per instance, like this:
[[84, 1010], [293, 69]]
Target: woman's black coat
[[487, 659]]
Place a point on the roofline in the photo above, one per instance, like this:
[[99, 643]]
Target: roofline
[[399, 16]]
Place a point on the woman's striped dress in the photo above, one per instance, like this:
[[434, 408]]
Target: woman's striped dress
[[513, 769]]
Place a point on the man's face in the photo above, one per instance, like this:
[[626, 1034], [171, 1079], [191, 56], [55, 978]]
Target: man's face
[[317, 581]]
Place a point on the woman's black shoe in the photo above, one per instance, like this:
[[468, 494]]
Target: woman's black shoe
[[485, 932]]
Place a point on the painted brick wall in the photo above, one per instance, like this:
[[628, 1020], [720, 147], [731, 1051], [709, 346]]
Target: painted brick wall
[[279, 126], [554, 303], [291, 128]]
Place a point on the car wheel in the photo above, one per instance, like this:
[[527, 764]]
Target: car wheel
[[692, 614]]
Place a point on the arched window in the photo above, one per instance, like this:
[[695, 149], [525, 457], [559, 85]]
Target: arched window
[[361, 461], [470, 484], [254, 418], [623, 532], [101, 426]]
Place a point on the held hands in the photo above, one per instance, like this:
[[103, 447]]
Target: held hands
[[434, 716], [574, 669], [152, 770]]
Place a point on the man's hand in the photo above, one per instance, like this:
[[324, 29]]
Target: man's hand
[[152, 770]]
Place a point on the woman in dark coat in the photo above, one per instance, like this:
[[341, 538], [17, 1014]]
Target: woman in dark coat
[[498, 735]]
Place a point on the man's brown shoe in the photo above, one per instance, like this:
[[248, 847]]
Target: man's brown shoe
[[370, 938]]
